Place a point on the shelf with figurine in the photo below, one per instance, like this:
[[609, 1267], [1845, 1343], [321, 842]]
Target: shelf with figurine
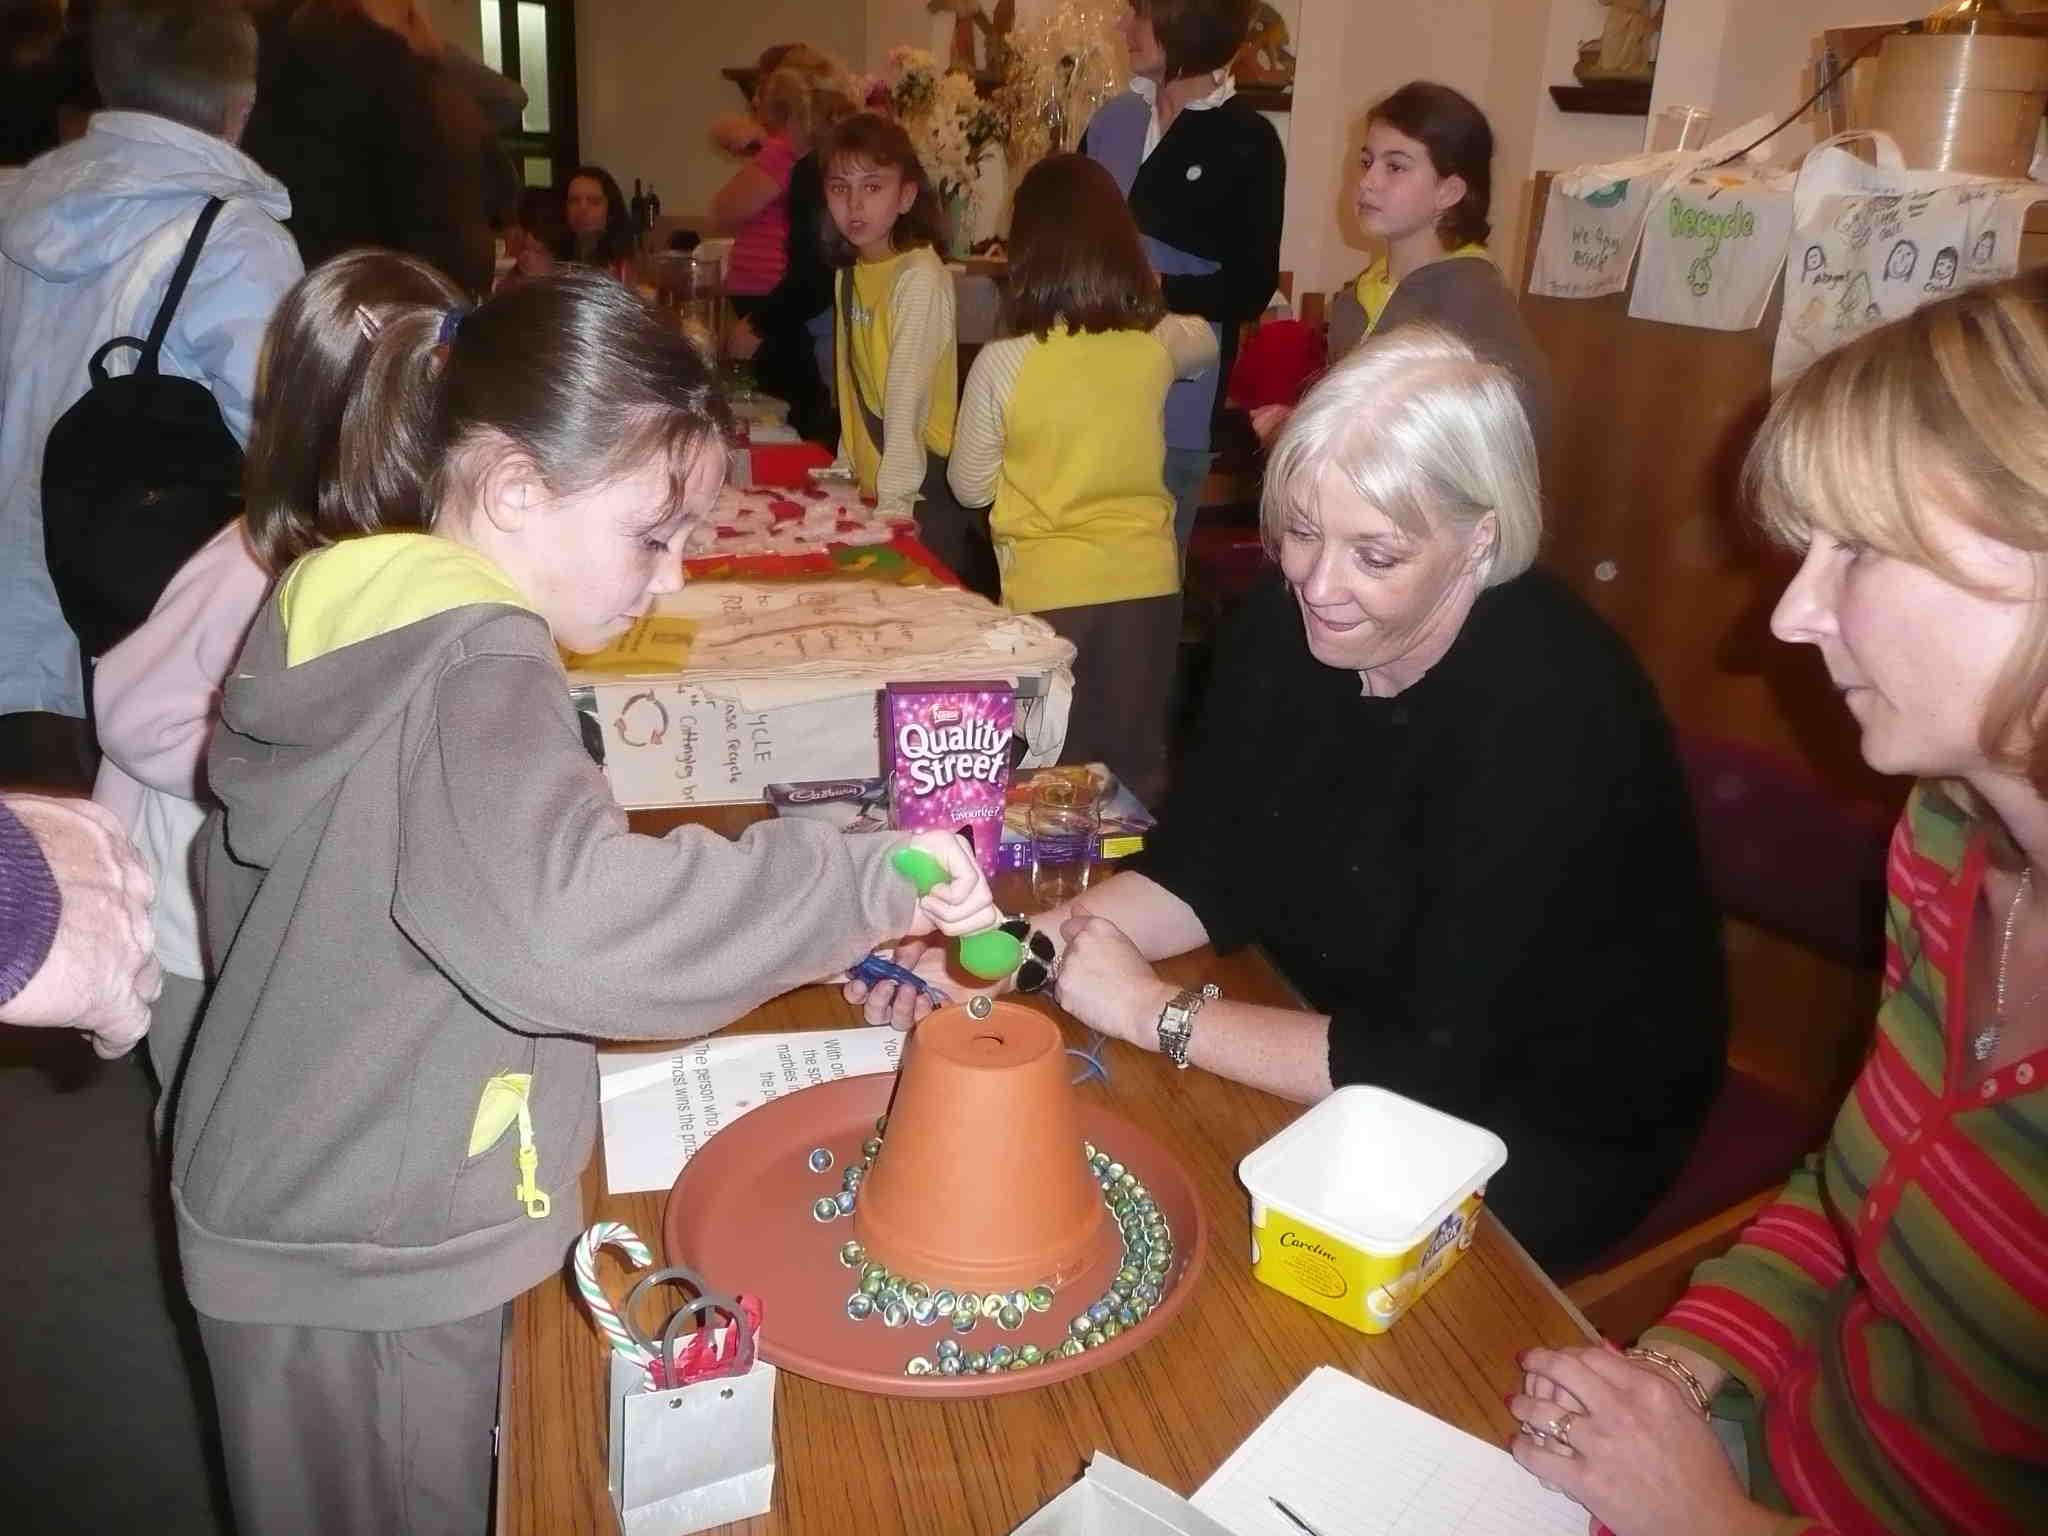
[[1264, 66], [1615, 70]]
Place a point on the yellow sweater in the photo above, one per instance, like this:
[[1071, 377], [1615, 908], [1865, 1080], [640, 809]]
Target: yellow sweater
[[1081, 513], [901, 361]]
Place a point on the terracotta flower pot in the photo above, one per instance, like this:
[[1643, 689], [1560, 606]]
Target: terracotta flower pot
[[981, 1184]]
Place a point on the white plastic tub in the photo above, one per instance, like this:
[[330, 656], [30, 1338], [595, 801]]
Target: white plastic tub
[[1363, 1204]]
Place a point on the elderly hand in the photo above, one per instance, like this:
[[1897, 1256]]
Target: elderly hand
[[1629, 1446], [1105, 982], [101, 974]]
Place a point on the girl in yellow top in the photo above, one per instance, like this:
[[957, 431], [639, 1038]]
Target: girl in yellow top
[[1062, 428], [898, 373], [1425, 185]]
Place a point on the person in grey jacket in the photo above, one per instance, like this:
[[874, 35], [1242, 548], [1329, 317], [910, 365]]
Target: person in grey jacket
[[429, 905], [1425, 187]]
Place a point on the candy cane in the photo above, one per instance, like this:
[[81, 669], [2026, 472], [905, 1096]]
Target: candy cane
[[608, 1320]]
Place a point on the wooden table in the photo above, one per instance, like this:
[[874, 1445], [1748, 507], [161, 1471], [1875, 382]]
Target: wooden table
[[849, 1463]]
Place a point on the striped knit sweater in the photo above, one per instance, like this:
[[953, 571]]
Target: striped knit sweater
[[1935, 1192]]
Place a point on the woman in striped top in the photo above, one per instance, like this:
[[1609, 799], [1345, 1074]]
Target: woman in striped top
[[1883, 1327]]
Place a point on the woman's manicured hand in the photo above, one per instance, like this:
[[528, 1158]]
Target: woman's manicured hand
[[1640, 1458], [1106, 983]]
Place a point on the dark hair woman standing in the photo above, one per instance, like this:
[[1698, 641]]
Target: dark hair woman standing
[[1206, 180]]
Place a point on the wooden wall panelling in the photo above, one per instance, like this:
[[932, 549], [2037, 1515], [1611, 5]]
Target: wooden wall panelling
[[1646, 521]]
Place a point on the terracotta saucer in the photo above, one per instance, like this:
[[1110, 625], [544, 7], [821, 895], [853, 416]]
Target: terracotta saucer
[[740, 1214]]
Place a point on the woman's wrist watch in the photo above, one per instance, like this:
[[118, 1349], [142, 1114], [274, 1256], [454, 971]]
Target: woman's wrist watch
[[1177, 1021]]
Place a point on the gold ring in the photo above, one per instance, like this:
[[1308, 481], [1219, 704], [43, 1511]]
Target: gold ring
[[1560, 1429]]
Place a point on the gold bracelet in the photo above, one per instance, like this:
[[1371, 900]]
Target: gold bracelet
[[1679, 1372]]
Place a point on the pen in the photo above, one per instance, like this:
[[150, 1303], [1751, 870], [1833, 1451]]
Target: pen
[[1292, 1516]]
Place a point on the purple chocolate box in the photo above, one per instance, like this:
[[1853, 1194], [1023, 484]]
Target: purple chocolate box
[[946, 752]]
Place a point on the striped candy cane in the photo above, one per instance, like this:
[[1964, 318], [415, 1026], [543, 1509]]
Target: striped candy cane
[[585, 1264]]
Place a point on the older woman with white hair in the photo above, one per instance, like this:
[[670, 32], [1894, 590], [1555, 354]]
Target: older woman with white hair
[[1440, 792]]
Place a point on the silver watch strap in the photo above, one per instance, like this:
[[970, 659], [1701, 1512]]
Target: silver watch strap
[[1176, 1027]]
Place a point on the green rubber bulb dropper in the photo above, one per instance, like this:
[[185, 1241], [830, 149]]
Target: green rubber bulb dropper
[[990, 954]]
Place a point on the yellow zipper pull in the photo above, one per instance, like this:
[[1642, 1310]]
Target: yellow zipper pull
[[504, 1103], [531, 1195]]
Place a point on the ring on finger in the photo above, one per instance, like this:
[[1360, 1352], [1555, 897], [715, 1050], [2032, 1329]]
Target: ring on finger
[[1560, 1430]]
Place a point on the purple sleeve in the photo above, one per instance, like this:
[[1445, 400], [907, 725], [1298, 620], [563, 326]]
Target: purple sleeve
[[29, 905]]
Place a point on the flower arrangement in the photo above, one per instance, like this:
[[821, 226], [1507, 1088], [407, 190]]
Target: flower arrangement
[[951, 126]]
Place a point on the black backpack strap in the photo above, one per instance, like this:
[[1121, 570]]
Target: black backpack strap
[[164, 311], [145, 362]]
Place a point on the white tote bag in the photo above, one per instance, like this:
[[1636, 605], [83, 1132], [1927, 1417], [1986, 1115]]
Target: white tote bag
[[1589, 243], [1871, 243], [1712, 248]]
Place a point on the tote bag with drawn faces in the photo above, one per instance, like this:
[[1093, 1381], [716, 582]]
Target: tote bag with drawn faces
[[1872, 243]]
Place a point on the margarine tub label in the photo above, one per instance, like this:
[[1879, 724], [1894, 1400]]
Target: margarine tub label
[[1360, 1205], [1367, 1290]]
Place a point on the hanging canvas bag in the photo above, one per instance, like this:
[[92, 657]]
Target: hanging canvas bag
[[1712, 248], [1589, 241], [1871, 243]]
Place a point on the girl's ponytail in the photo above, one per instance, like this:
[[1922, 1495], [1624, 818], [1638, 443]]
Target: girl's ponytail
[[387, 463], [302, 486]]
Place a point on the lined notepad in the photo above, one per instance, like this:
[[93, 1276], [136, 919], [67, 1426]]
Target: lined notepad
[[1352, 1461]]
